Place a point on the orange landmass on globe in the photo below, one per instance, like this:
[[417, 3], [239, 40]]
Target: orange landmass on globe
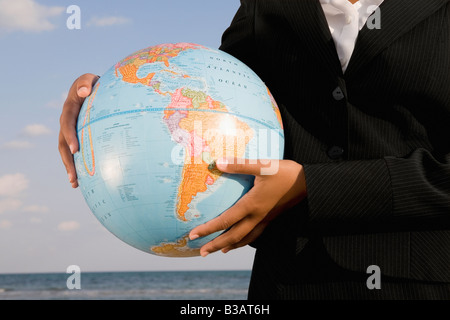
[[195, 179], [213, 135], [160, 53], [275, 108], [176, 249], [129, 71]]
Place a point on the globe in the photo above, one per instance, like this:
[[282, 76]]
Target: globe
[[149, 136]]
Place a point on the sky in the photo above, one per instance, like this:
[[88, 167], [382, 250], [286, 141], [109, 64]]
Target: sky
[[45, 225]]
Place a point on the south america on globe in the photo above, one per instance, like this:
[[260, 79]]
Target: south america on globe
[[150, 132]]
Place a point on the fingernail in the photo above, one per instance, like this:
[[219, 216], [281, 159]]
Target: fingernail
[[70, 177], [221, 163], [83, 91], [194, 236], [72, 148], [204, 254]]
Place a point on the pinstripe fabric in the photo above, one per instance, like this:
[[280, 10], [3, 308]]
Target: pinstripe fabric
[[359, 194], [385, 199], [358, 291], [399, 17]]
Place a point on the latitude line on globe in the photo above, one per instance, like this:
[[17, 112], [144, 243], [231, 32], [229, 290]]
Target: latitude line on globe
[[176, 109], [87, 117]]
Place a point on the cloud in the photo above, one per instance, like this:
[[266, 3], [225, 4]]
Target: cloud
[[108, 21], [17, 144], [35, 209], [34, 130], [9, 204], [5, 224], [12, 185], [68, 226], [27, 15]]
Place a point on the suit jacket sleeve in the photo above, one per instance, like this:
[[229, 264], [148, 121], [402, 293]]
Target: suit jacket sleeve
[[408, 192], [238, 40]]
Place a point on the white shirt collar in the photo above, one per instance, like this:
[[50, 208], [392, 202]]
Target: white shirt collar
[[345, 20]]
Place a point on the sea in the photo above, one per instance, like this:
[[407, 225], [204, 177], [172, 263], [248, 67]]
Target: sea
[[155, 285]]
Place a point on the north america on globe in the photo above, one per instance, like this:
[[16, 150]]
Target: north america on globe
[[149, 135]]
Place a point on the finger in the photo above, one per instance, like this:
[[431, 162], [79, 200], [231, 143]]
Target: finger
[[85, 83], [68, 122], [67, 140], [257, 201], [67, 159], [247, 166], [72, 106], [249, 238], [222, 222], [256, 231], [232, 237]]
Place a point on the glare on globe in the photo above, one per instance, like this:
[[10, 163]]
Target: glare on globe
[[150, 132]]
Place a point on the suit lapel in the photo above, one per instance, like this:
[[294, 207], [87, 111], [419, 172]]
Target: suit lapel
[[308, 20], [396, 17]]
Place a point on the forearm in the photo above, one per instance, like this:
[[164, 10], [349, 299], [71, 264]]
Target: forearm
[[380, 194]]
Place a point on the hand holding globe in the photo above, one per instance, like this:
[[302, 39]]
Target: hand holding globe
[[269, 197], [68, 142]]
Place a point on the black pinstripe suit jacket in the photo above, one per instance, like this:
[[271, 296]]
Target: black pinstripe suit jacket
[[374, 141]]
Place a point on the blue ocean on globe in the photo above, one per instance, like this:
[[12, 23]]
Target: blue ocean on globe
[[150, 133]]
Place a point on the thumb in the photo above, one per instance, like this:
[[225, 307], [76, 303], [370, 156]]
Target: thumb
[[85, 84], [247, 166]]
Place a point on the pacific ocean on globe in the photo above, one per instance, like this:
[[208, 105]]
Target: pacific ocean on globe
[[150, 132]]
